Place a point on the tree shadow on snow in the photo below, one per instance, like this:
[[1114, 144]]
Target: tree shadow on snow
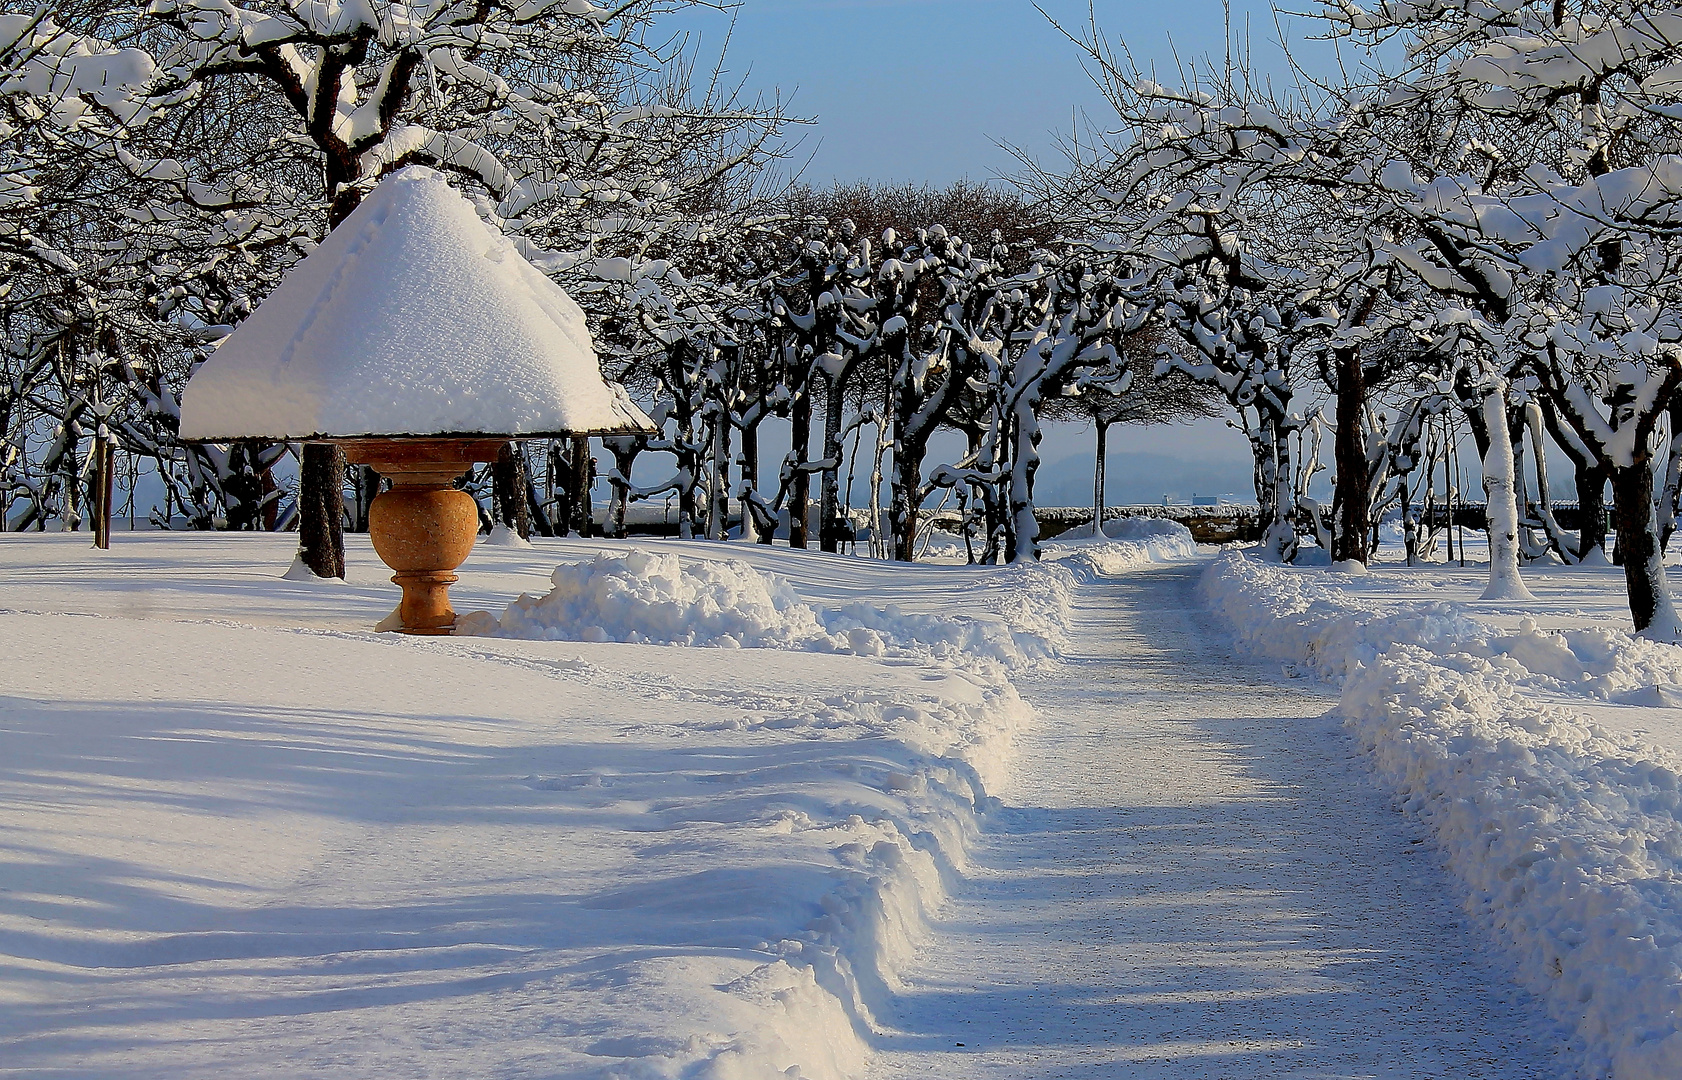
[[92, 939]]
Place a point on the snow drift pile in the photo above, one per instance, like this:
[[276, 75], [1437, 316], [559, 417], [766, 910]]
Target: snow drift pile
[[644, 597], [1568, 836], [1127, 543]]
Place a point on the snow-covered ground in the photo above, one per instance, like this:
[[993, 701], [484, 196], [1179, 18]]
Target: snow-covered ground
[[237, 827], [719, 811], [1195, 878], [1539, 743], [241, 828]]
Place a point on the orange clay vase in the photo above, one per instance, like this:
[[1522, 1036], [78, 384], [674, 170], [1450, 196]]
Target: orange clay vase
[[423, 528]]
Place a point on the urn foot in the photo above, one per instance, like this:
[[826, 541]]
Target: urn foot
[[425, 608]]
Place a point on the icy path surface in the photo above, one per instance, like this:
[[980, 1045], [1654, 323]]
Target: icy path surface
[[1193, 876]]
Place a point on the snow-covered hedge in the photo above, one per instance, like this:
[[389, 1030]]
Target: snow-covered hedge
[[1569, 837]]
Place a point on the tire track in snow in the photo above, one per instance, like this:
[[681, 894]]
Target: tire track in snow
[[1195, 877]]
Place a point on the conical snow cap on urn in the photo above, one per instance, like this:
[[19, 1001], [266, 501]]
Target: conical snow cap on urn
[[413, 318]]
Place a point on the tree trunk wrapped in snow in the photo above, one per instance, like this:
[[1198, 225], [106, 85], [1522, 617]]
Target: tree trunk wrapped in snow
[[1670, 495], [1500, 491]]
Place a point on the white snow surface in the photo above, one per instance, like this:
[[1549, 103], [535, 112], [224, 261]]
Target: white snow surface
[[255, 832], [254, 836], [413, 317], [1542, 757]]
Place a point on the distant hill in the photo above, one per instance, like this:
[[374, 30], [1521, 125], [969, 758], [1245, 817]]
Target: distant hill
[[1134, 477]]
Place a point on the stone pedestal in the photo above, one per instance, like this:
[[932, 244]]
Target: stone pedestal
[[423, 528]]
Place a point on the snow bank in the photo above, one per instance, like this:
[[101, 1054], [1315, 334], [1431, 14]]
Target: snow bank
[[1035, 600], [666, 599], [824, 870], [1127, 543], [1570, 840], [1568, 836], [1294, 617], [889, 804]]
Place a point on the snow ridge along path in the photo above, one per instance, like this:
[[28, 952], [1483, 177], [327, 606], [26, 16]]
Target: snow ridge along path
[[1542, 759], [1195, 876]]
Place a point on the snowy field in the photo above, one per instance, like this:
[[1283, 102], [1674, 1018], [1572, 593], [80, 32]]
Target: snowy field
[[239, 827], [811, 816]]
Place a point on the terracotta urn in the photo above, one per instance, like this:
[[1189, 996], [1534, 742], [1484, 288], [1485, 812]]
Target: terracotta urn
[[424, 527]]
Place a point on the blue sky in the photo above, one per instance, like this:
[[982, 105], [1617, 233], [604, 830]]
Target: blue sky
[[923, 90]]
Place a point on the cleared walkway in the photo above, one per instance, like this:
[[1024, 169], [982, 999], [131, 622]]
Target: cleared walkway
[[1196, 877]]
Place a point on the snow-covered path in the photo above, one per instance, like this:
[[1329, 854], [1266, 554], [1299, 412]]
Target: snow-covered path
[[1194, 877]]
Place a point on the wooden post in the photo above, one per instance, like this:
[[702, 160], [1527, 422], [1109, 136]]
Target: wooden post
[[583, 476], [105, 465]]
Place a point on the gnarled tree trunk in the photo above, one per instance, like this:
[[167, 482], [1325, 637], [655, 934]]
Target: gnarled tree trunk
[[800, 484], [321, 504], [508, 484], [1638, 538], [1354, 521]]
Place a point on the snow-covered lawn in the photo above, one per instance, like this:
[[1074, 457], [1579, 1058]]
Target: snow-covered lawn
[[237, 827], [611, 837], [1540, 742]]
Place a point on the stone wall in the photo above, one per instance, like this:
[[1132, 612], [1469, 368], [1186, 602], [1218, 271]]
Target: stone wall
[[1208, 524]]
